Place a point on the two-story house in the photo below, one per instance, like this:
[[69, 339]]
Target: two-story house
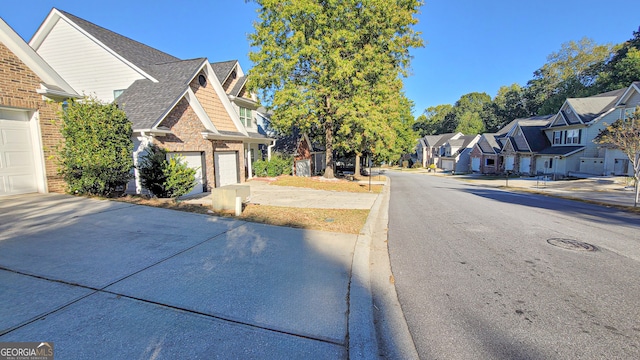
[[184, 106], [571, 132]]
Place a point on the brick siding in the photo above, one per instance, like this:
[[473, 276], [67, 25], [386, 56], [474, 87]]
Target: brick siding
[[18, 86]]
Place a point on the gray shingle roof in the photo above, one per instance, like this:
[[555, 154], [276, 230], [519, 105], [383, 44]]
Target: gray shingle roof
[[222, 69], [137, 53], [489, 144], [238, 86], [560, 150], [146, 102]]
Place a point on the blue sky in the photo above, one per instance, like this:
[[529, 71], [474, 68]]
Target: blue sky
[[470, 45]]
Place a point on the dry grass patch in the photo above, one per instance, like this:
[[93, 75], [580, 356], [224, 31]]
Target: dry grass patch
[[329, 185], [348, 221], [164, 203]]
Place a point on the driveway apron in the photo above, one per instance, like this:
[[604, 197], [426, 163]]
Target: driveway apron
[[113, 280]]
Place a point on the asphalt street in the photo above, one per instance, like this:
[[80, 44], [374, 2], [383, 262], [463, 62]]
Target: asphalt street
[[483, 273]]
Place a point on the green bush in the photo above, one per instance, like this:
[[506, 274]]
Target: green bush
[[95, 158], [417, 165], [165, 178], [278, 165]]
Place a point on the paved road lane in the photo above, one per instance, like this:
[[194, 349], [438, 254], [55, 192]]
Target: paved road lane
[[478, 279]]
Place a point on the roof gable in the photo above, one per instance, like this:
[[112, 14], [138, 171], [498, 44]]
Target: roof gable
[[137, 55], [634, 88], [53, 84]]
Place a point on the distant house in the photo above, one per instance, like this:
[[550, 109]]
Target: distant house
[[522, 141], [571, 133], [485, 155], [193, 108], [457, 153], [429, 149], [31, 94], [309, 157], [615, 161]]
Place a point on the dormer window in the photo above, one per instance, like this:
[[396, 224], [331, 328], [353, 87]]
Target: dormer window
[[202, 80]]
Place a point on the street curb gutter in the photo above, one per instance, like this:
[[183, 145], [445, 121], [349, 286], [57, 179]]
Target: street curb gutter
[[394, 339], [370, 285], [362, 333]]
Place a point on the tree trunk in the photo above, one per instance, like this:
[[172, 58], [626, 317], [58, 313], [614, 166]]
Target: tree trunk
[[356, 172], [328, 171], [328, 130]]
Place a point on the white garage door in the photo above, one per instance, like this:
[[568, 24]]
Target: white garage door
[[475, 164], [508, 163], [525, 165], [447, 165], [226, 164], [194, 161], [17, 160]]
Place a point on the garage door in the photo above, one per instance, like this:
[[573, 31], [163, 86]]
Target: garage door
[[447, 165], [17, 161], [226, 164], [508, 163], [194, 161], [475, 164], [525, 165]]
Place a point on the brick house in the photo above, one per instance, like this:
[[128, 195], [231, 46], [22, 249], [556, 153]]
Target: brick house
[[30, 96], [181, 105]]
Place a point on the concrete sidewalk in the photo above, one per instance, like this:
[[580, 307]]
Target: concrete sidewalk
[[104, 279]]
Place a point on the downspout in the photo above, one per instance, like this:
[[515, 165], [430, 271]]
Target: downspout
[[249, 167], [269, 149]]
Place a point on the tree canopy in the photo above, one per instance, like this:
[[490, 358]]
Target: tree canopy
[[579, 69], [333, 67]]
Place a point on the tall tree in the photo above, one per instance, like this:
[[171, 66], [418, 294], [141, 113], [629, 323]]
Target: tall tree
[[567, 73], [321, 64], [471, 111], [432, 120], [624, 134], [508, 104], [624, 67]]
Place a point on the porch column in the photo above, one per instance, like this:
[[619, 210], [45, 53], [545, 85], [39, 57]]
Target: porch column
[[249, 166]]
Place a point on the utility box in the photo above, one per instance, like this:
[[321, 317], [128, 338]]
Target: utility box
[[224, 197]]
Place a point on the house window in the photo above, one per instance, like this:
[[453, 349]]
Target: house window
[[490, 162], [245, 116], [117, 93], [557, 137], [573, 136]]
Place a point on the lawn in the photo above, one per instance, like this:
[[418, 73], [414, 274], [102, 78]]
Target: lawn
[[320, 183]]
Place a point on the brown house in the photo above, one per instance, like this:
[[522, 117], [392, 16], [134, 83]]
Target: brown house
[[30, 96], [184, 106]]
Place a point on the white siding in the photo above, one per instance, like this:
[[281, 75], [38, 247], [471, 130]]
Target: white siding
[[85, 65]]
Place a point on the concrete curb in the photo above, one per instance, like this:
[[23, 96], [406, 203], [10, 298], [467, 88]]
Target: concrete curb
[[394, 339], [363, 343]]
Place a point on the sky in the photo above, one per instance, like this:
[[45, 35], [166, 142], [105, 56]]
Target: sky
[[470, 45]]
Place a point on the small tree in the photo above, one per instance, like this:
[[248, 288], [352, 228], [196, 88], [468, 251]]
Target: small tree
[[95, 158], [624, 134], [165, 178]]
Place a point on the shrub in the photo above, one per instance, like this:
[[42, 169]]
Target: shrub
[[417, 165], [95, 158], [278, 165], [165, 178], [405, 163]]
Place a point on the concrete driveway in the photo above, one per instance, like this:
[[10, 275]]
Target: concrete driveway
[[103, 279]]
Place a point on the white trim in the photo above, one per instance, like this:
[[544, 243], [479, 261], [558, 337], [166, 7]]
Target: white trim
[[627, 94], [222, 95], [38, 152], [56, 15], [199, 110], [32, 60]]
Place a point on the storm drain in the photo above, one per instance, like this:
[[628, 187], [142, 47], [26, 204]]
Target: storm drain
[[571, 244]]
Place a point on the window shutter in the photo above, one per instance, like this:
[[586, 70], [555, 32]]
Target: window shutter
[[565, 136], [579, 136]]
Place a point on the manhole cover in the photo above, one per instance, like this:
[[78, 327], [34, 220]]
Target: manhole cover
[[570, 244]]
